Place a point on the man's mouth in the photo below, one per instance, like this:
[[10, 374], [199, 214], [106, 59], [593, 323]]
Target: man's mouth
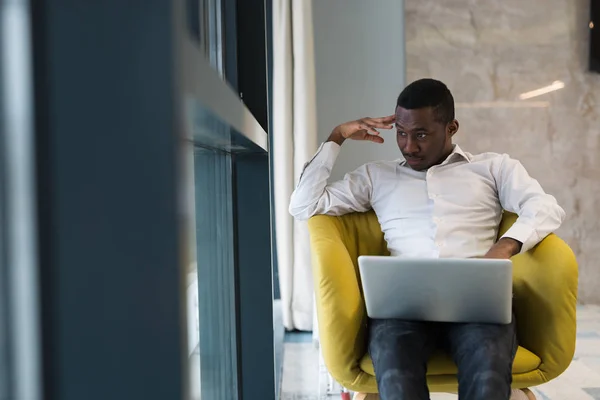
[[413, 160]]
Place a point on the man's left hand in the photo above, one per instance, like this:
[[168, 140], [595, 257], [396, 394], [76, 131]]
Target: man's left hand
[[504, 248]]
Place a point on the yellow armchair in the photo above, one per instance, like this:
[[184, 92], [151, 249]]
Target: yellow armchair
[[545, 288]]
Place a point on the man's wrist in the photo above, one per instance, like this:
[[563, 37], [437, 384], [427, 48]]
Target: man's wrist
[[504, 248], [336, 137], [510, 245]]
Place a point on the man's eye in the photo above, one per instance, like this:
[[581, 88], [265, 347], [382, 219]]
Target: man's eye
[[421, 135], [400, 133]]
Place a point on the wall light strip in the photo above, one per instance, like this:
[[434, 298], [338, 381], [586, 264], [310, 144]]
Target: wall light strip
[[556, 85]]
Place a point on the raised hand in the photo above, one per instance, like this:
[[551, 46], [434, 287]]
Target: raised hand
[[362, 129]]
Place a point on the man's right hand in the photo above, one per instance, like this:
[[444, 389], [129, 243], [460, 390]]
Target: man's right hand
[[362, 129]]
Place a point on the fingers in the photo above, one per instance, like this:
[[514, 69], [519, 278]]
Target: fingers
[[366, 128], [382, 123], [374, 139], [388, 119], [369, 129]]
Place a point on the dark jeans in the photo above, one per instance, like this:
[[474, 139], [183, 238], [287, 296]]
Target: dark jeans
[[484, 355]]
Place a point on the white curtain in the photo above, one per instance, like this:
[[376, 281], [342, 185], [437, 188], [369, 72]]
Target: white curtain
[[294, 143]]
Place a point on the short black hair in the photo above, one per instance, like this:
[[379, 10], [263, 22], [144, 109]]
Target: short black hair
[[428, 93]]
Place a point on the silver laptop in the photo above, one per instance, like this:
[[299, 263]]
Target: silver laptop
[[441, 290]]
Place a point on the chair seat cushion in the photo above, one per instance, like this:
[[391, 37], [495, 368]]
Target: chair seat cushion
[[442, 364]]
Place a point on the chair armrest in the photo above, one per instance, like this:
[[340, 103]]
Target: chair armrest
[[340, 307], [545, 286]]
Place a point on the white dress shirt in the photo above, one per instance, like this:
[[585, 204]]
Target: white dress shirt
[[451, 210]]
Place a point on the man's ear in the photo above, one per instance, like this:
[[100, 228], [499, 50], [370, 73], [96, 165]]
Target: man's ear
[[452, 127]]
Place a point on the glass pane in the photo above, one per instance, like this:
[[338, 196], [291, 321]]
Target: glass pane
[[205, 24], [213, 361], [215, 34]]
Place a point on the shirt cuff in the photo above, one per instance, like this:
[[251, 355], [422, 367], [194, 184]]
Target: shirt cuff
[[524, 234]]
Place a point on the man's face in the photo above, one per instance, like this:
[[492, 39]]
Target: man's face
[[423, 140]]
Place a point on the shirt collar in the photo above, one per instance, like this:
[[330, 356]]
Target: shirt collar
[[457, 152]]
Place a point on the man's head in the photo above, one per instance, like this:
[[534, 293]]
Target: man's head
[[425, 123]]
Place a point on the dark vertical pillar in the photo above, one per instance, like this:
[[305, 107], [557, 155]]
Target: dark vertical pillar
[[109, 251], [253, 261], [594, 25]]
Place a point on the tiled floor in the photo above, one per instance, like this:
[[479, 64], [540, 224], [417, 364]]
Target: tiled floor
[[580, 382]]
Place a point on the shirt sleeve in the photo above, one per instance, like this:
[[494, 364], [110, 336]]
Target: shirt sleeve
[[314, 196], [538, 212]]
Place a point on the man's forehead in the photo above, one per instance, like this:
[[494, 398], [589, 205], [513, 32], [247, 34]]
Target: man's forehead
[[420, 111], [419, 116]]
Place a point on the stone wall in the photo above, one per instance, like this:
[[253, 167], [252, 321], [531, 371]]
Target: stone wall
[[489, 52]]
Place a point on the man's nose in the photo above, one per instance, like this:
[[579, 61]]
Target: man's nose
[[410, 146]]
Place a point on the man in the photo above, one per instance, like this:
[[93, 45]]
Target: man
[[440, 201]]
